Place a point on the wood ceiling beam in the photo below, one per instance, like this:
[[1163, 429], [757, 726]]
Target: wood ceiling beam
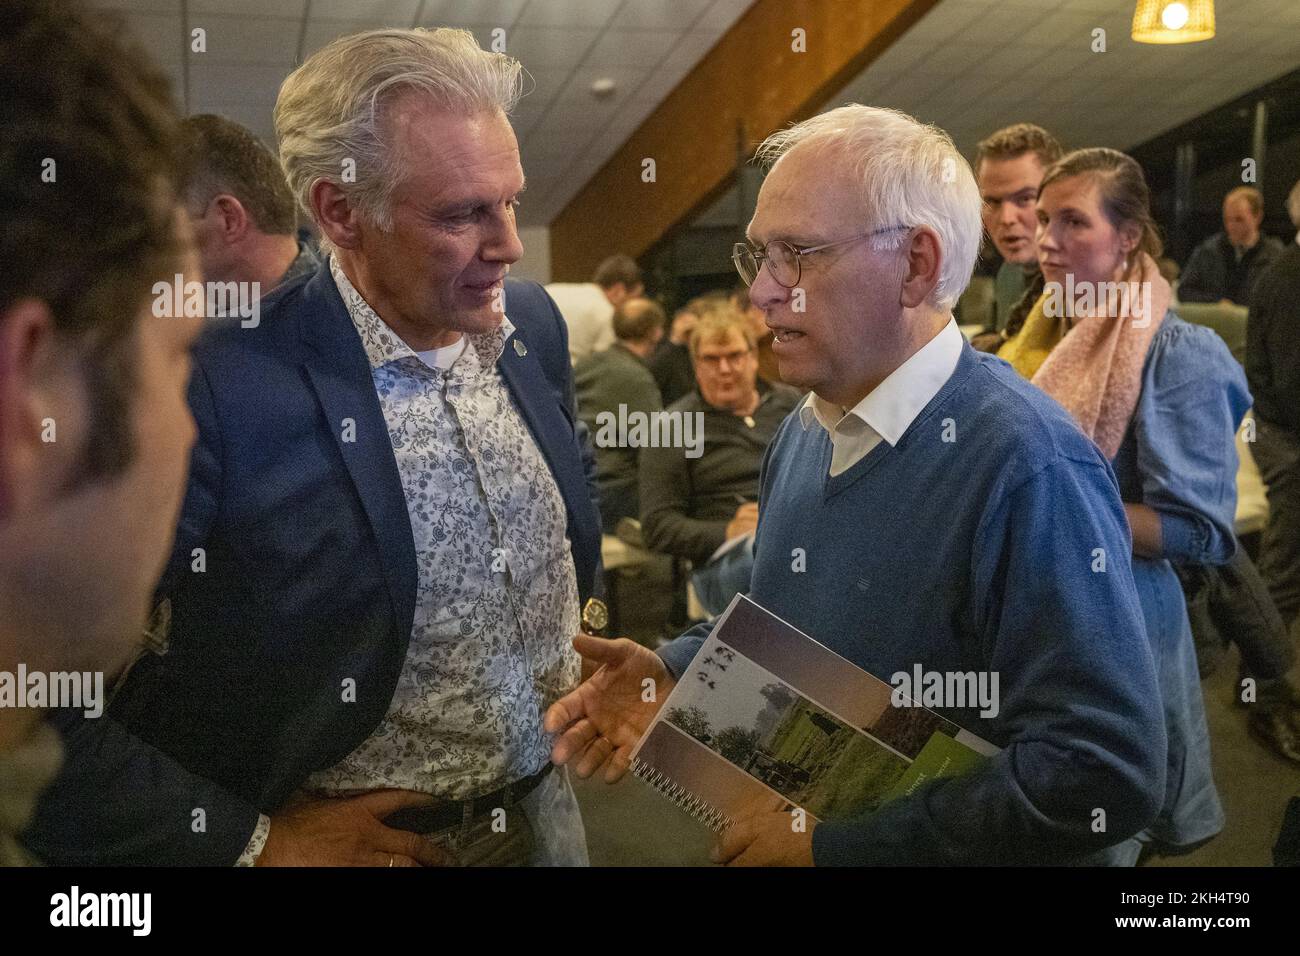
[[752, 80]]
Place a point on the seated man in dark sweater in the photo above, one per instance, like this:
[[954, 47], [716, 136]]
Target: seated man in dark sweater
[[1225, 267], [690, 507], [606, 380], [925, 507]]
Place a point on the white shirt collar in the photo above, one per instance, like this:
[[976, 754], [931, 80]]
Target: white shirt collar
[[894, 404]]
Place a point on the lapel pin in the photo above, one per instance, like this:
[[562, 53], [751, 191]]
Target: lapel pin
[[520, 349]]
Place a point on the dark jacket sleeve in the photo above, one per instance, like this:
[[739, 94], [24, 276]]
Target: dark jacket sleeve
[[1202, 280], [1259, 368], [119, 800], [666, 524]]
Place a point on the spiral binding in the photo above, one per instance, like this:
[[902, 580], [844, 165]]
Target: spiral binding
[[712, 818]]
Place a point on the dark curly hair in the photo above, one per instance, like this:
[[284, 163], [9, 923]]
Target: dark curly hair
[[88, 172]]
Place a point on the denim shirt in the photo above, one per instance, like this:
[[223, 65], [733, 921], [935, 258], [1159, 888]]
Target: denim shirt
[[1179, 457]]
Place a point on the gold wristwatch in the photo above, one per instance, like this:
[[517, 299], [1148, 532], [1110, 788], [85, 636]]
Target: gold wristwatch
[[595, 617]]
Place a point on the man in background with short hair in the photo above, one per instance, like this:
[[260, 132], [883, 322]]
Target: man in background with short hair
[[617, 382], [1226, 266], [588, 307], [95, 433], [244, 216], [1009, 165]]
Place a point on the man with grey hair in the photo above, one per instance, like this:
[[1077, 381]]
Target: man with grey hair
[[924, 508], [389, 524]]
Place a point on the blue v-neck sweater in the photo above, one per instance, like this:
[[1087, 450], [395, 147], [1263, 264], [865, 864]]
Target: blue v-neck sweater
[[990, 538]]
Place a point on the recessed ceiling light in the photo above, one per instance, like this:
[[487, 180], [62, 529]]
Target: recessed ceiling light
[[603, 87]]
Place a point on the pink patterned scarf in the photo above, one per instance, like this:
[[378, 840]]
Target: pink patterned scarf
[[1096, 370]]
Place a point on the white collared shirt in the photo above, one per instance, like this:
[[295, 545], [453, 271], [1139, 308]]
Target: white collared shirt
[[889, 410]]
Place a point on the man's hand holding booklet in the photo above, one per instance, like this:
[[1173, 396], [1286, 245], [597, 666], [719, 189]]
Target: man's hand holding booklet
[[766, 734]]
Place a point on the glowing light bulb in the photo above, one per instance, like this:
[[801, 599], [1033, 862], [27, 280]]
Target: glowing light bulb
[[1174, 16]]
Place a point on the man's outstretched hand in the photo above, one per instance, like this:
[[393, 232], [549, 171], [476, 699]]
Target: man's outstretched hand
[[601, 721]]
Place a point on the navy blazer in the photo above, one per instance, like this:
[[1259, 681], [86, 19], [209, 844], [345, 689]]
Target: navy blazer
[[292, 584]]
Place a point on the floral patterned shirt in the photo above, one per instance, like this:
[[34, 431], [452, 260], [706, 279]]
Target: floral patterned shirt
[[497, 605]]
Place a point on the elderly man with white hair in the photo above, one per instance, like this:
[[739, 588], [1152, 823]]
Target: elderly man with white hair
[[923, 507], [389, 525]]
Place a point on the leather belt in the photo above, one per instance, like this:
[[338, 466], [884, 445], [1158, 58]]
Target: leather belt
[[450, 813]]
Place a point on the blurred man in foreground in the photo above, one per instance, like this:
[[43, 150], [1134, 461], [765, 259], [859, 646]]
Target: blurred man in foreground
[[95, 434]]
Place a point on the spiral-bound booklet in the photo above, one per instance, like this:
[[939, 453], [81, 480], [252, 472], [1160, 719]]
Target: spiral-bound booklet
[[767, 719]]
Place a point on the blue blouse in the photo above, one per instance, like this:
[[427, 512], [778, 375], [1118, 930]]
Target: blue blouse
[[1179, 457]]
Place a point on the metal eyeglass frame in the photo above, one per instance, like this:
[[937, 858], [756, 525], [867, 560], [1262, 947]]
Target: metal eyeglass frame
[[742, 249]]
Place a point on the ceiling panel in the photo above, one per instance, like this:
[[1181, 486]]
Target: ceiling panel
[[659, 14], [232, 82], [569, 13], [244, 8], [456, 13], [321, 32], [142, 6], [395, 12], [645, 46], [968, 65], [549, 46], [158, 33], [637, 48], [1038, 59], [261, 40]]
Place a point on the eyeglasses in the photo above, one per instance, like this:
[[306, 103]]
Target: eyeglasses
[[785, 260], [731, 358]]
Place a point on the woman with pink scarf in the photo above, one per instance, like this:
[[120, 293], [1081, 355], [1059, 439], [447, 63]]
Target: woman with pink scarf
[[1162, 399]]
